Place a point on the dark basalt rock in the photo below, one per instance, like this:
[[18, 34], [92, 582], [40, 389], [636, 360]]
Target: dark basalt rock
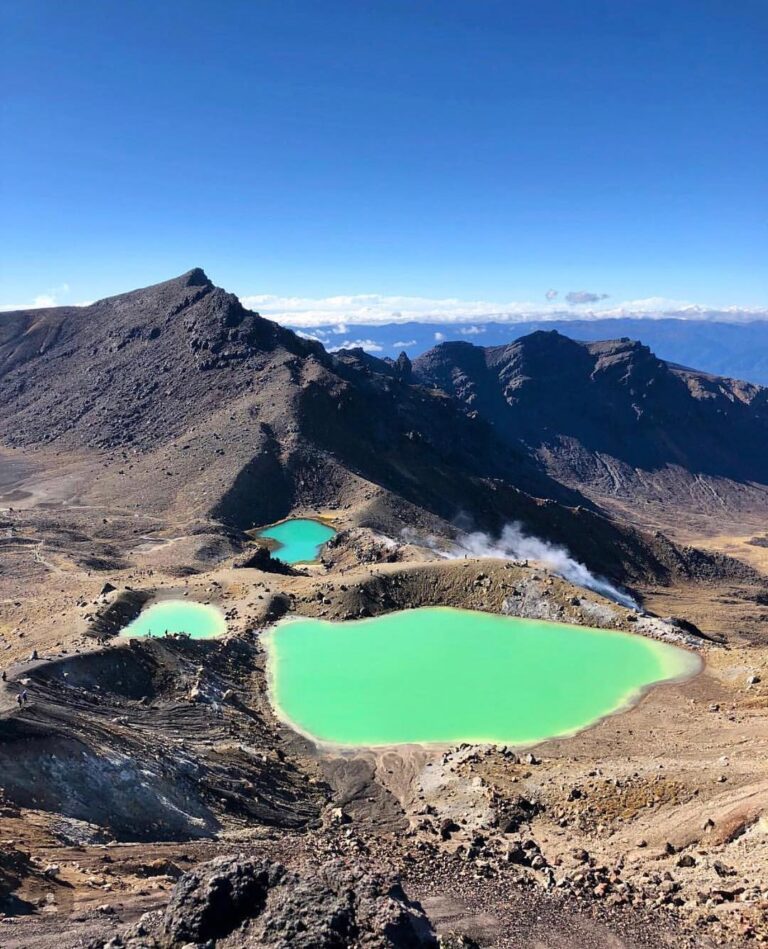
[[212, 901], [15, 865], [260, 558], [116, 615], [691, 628], [247, 902], [277, 606], [403, 368], [518, 812]]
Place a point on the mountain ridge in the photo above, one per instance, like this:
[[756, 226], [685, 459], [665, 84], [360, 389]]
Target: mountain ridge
[[190, 408], [612, 420], [734, 350]]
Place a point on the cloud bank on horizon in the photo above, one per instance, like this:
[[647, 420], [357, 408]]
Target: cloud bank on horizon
[[375, 309], [372, 309], [42, 301]]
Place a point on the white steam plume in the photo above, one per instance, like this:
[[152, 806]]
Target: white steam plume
[[515, 544]]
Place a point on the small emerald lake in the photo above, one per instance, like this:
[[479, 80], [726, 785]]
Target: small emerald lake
[[197, 620], [446, 675], [298, 540]]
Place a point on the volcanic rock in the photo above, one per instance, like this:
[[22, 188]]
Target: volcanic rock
[[248, 902]]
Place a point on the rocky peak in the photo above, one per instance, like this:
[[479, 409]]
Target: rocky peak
[[103, 365], [403, 367], [196, 277]]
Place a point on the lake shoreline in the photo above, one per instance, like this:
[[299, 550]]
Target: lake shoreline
[[677, 665]]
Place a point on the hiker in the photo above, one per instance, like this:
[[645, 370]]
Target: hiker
[[24, 697], [19, 699], [5, 676], [34, 655]]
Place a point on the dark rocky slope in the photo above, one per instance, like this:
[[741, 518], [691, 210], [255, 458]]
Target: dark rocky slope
[[142, 740], [189, 409], [613, 420], [135, 369], [183, 367]]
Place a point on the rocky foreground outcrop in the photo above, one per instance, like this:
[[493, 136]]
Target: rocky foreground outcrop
[[250, 902]]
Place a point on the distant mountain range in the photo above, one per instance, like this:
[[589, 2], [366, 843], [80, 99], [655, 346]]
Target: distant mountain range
[[736, 350], [612, 420]]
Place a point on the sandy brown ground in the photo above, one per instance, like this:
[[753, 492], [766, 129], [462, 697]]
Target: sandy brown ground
[[653, 825], [741, 546]]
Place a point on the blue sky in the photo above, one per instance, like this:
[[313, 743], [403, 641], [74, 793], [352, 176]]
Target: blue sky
[[478, 151]]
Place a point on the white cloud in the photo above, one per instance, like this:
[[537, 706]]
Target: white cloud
[[550, 294], [584, 296], [439, 337], [369, 345], [317, 337], [338, 313], [404, 344], [42, 301], [472, 330]]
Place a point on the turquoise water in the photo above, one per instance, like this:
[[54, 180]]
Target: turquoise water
[[446, 675], [197, 620], [299, 540]]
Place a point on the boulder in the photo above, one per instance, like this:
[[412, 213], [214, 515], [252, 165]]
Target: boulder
[[260, 558], [250, 902]]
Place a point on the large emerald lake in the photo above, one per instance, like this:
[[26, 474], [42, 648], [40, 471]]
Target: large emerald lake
[[446, 675], [298, 540]]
